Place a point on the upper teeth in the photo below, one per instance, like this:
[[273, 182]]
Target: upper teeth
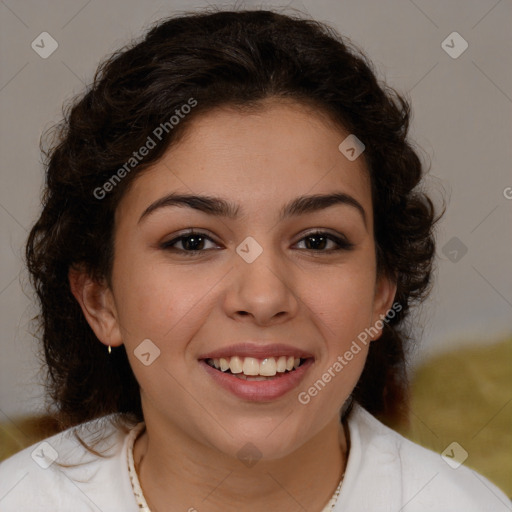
[[252, 366]]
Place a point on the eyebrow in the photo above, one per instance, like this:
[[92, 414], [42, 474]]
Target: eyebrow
[[222, 208]]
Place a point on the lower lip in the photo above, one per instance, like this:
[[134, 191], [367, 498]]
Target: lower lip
[[259, 390]]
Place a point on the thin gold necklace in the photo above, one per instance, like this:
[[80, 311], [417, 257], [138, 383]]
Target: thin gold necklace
[[139, 495]]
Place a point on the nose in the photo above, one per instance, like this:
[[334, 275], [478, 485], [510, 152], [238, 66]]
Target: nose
[[263, 291]]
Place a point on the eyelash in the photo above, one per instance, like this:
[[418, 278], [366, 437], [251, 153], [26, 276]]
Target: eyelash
[[343, 245]]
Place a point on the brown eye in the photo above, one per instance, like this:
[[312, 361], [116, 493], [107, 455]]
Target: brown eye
[[191, 243], [319, 240]]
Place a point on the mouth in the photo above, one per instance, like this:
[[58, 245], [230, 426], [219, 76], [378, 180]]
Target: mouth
[[257, 375], [255, 369]]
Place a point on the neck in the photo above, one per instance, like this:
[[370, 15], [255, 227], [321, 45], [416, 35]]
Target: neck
[[175, 469]]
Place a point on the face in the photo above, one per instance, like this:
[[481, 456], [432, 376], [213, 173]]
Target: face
[[257, 286]]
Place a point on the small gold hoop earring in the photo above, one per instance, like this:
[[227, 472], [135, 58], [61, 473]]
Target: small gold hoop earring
[[109, 349]]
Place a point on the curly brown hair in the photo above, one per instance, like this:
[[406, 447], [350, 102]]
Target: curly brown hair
[[220, 58]]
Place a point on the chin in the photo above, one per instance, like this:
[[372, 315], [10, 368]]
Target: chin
[[262, 440]]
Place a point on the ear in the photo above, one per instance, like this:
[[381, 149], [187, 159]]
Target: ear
[[98, 306], [385, 291]]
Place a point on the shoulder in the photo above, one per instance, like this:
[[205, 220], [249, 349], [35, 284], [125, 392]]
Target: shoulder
[[385, 468], [59, 473]]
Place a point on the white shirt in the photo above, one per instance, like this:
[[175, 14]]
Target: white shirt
[[385, 472]]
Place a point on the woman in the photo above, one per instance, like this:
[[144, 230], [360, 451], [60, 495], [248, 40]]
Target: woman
[[231, 238]]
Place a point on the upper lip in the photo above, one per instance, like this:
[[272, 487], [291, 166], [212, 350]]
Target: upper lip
[[257, 350]]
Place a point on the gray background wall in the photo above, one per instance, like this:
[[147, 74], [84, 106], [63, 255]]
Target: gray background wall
[[462, 119]]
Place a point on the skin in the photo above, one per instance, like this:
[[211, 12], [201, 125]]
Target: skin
[[318, 300]]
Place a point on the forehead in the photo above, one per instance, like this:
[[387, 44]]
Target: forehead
[[258, 159]]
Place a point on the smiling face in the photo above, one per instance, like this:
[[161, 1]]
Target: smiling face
[[260, 279]]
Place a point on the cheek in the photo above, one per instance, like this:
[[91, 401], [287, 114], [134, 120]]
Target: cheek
[[341, 314], [342, 301], [341, 305], [158, 301]]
